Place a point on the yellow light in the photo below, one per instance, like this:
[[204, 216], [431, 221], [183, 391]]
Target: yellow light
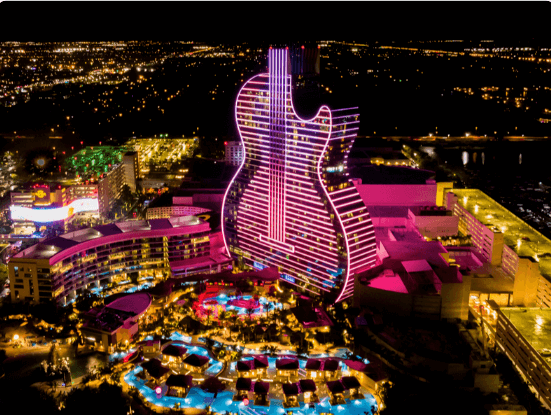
[[16, 337]]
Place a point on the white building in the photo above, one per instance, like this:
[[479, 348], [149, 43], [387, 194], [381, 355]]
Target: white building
[[234, 153]]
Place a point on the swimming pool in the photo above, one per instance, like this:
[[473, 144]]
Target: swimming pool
[[199, 399], [240, 304]]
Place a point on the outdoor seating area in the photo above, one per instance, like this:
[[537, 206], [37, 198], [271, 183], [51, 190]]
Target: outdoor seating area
[[261, 390], [155, 371], [290, 390], [179, 385], [258, 381], [287, 367], [308, 389], [336, 392], [173, 353], [254, 368], [352, 386], [243, 387], [196, 363]]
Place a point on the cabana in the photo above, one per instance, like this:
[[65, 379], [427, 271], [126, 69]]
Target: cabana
[[196, 363], [154, 370], [179, 385], [261, 390], [352, 385], [336, 391], [256, 367], [287, 367], [243, 387], [331, 369], [308, 389], [173, 353], [313, 369], [290, 390]]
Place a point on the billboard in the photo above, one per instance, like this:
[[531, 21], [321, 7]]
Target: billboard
[[42, 195], [53, 214]]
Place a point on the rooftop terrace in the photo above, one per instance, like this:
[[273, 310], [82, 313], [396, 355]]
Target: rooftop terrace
[[533, 323], [53, 246], [517, 234]]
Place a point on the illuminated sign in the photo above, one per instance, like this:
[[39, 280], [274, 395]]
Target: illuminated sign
[[288, 278], [40, 194], [53, 214], [258, 265]]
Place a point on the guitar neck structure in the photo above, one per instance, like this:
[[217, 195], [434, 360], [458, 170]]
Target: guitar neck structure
[[291, 203]]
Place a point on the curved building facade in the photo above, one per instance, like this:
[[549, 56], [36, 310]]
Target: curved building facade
[[291, 204], [66, 265]]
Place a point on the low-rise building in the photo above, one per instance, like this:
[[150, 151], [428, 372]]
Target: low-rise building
[[116, 323], [506, 242], [523, 335]]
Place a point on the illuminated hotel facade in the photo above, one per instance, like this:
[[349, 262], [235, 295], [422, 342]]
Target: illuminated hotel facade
[[64, 266], [291, 204]]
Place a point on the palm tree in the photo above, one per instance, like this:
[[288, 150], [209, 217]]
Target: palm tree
[[271, 349], [208, 312], [250, 312], [269, 307]]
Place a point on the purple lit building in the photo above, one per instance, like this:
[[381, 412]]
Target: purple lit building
[[292, 204]]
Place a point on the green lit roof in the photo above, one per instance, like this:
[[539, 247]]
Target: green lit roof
[[491, 213], [96, 159]]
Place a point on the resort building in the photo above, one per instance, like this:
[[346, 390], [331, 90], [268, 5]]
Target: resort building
[[131, 163], [173, 353], [523, 335], [110, 187], [154, 371], [116, 323], [292, 203], [196, 363], [517, 254], [234, 153], [414, 274], [287, 367], [67, 265], [180, 206], [179, 385], [253, 368], [33, 205]]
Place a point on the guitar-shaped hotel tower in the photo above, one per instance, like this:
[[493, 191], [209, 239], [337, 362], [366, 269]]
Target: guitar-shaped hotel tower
[[291, 203]]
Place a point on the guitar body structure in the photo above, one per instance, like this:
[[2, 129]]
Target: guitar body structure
[[291, 203]]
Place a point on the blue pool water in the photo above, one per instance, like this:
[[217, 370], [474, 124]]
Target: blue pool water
[[223, 299], [120, 355], [180, 337], [199, 399]]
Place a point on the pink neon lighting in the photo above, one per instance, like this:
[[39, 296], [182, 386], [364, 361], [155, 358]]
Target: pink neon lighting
[[277, 204]]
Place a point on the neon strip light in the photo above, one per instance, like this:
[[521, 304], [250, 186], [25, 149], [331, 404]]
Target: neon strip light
[[307, 254], [277, 244], [268, 257], [279, 191]]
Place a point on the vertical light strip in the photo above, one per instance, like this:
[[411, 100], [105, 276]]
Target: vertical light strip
[[285, 74], [268, 144], [271, 69]]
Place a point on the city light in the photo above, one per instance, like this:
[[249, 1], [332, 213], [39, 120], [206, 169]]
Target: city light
[[54, 214]]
